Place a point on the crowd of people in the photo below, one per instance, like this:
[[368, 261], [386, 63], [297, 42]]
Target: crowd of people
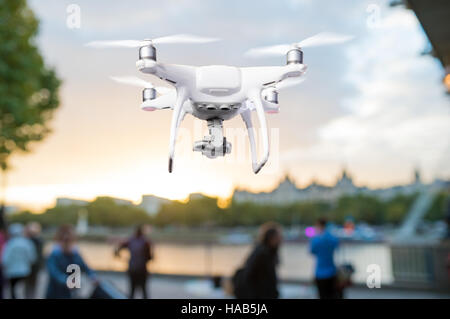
[[22, 258], [258, 279]]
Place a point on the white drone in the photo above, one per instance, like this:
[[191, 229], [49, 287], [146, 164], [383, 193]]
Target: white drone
[[218, 92]]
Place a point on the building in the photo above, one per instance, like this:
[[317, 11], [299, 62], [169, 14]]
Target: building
[[66, 201], [287, 192], [120, 201], [151, 204], [10, 209]]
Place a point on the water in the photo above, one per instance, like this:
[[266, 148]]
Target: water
[[201, 259]]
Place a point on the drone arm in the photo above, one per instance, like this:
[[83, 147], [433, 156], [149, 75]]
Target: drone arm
[[256, 99], [172, 73], [177, 116], [271, 74]]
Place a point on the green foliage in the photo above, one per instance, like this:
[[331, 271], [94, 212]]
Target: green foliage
[[101, 212], [28, 89], [198, 212], [204, 211], [361, 207], [438, 207], [397, 208], [104, 211]]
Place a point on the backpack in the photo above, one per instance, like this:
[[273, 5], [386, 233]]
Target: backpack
[[240, 285]]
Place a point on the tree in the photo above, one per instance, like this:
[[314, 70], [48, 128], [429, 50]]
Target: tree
[[103, 211], [28, 88]]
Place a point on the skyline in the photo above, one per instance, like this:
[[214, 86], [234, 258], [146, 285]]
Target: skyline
[[414, 178], [362, 105]]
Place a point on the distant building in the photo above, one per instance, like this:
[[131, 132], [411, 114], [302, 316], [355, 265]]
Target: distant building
[[82, 227], [415, 186], [287, 192], [194, 196], [151, 204], [9, 209], [121, 201], [65, 201]]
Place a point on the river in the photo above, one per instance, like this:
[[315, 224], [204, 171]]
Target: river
[[219, 259]]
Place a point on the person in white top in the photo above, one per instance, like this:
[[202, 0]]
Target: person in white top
[[19, 254]]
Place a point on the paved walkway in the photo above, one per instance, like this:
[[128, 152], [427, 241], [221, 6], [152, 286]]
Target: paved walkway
[[185, 288]]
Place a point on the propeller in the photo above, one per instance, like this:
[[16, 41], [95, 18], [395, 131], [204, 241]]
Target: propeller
[[132, 80], [324, 38], [177, 38]]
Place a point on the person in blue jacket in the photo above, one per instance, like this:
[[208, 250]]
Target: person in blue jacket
[[323, 246], [64, 253]]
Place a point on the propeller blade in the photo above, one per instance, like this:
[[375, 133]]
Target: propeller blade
[[289, 82], [135, 81], [184, 38], [132, 80], [118, 43], [324, 38], [177, 38], [272, 50]]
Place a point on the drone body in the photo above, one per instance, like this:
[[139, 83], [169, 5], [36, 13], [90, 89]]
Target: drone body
[[217, 93]]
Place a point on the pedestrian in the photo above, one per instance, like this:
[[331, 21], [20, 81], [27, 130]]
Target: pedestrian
[[65, 254], [258, 279], [33, 232], [141, 252], [18, 257], [323, 246]]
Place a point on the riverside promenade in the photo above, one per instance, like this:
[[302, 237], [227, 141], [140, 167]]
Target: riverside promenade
[[187, 287]]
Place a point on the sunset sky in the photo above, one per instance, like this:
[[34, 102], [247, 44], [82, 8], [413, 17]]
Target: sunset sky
[[374, 105]]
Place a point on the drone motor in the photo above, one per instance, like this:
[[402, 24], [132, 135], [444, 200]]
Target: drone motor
[[294, 56], [147, 52], [271, 95], [148, 94]]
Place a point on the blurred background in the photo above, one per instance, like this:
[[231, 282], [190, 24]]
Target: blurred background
[[364, 142]]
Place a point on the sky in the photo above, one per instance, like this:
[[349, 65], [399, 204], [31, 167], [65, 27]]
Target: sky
[[374, 105]]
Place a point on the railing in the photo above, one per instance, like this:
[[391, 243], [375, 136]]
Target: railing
[[421, 265]]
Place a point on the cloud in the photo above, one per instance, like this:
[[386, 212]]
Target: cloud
[[399, 114]]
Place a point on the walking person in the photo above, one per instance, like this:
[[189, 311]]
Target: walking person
[[64, 253], [18, 257], [323, 246], [141, 252], [258, 278], [33, 232]]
